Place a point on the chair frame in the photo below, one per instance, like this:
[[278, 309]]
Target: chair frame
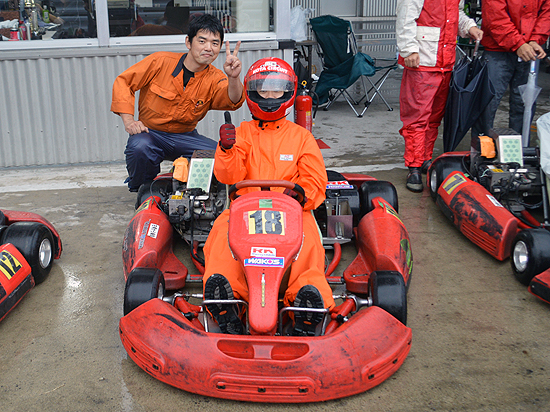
[[375, 87]]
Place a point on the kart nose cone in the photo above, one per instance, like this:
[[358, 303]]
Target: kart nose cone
[[520, 256], [45, 253]]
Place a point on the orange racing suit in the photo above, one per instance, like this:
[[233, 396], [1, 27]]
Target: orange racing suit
[[279, 150]]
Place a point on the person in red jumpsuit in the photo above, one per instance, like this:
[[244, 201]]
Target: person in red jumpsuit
[[269, 147], [426, 32]]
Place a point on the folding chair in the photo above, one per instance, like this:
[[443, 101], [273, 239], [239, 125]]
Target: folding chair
[[343, 64]]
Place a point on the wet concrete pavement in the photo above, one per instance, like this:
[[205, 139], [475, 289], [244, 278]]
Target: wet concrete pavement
[[481, 342]]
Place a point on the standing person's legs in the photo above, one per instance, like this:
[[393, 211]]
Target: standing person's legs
[[417, 94], [500, 68], [438, 111]]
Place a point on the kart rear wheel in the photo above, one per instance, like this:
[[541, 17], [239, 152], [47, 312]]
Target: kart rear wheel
[[35, 242], [440, 170], [374, 188], [142, 285], [388, 292], [530, 254], [160, 187]]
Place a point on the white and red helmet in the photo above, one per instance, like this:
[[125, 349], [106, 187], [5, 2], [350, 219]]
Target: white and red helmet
[[270, 74]]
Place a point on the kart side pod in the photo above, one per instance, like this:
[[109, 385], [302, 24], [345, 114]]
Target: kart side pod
[[477, 214]]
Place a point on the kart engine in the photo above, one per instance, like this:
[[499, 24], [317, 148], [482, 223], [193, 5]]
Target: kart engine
[[192, 212], [515, 186]]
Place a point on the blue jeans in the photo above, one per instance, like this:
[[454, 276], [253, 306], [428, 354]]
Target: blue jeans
[[504, 71], [146, 151]]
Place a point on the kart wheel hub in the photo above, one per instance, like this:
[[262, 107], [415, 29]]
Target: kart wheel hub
[[520, 256], [45, 253]]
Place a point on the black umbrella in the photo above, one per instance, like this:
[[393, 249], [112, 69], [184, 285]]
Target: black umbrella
[[470, 92]]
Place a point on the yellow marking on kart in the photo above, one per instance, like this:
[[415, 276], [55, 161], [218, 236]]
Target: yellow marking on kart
[[390, 210], [270, 222], [452, 183], [143, 206], [9, 265]]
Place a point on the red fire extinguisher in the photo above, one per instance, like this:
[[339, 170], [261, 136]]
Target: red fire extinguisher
[[303, 107]]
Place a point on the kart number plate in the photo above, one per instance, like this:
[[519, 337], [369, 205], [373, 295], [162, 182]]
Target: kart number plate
[[266, 222], [9, 265]]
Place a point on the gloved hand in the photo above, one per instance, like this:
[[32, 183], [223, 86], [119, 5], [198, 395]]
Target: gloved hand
[[227, 136], [294, 195]]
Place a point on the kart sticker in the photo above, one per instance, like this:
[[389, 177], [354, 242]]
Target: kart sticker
[[494, 201], [153, 231], [452, 183], [265, 204], [263, 251], [143, 234], [9, 265], [275, 262], [390, 210], [143, 206], [341, 184], [406, 246], [266, 222]]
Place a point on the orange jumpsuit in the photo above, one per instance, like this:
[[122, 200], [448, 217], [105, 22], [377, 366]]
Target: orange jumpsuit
[[164, 104], [279, 150]]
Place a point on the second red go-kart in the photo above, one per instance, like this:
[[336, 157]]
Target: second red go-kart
[[169, 334], [500, 204], [28, 246]]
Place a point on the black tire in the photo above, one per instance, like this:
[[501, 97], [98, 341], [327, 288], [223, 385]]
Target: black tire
[[2, 218], [35, 242], [374, 188], [440, 170], [142, 285], [530, 254], [388, 292], [161, 187]]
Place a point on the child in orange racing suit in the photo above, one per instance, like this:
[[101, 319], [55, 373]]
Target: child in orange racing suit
[[269, 148]]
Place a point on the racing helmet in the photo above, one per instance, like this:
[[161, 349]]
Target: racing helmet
[[275, 75]]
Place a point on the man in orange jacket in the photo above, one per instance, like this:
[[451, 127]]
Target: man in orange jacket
[[176, 92], [269, 148]]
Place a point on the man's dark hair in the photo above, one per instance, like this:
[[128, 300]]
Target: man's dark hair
[[205, 22]]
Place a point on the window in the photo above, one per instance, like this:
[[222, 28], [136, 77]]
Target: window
[[69, 19]]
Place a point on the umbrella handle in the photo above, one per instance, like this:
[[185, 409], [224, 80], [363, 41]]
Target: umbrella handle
[[475, 49]]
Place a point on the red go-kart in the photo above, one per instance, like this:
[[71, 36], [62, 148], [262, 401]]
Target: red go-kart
[[28, 246], [358, 345], [500, 204]]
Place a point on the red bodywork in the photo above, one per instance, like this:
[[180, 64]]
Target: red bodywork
[[170, 343], [15, 278], [15, 273], [478, 215], [540, 286]]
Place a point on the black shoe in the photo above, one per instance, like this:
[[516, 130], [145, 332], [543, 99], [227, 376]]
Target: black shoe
[[425, 166], [305, 323], [217, 287], [414, 180]]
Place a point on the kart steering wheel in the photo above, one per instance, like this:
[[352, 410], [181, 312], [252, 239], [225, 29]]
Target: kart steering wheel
[[266, 185]]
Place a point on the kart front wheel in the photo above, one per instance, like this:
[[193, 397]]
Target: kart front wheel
[[530, 254], [142, 285], [377, 188], [389, 292], [35, 242]]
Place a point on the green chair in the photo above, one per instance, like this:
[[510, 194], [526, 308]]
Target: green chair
[[343, 65]]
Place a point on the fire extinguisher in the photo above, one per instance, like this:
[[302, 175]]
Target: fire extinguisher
[[303, 107]]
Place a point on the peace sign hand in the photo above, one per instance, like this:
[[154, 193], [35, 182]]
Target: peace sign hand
[[232, 65]]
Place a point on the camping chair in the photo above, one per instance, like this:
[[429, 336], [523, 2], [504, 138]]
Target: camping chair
[[343, 65]]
